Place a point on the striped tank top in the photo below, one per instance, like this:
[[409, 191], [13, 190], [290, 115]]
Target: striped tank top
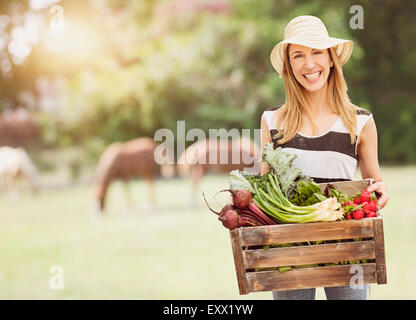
[[328, 157]]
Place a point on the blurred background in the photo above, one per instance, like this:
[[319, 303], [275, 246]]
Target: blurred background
[[77, 76]]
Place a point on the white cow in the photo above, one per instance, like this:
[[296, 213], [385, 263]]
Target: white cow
[[16, 170]]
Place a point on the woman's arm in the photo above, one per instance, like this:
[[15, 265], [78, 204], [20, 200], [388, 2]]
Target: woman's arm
[[265, 138], [367, 150]]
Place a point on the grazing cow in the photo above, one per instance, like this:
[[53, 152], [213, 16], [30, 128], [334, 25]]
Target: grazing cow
[[17, 170], [195, 160], [125, 161]]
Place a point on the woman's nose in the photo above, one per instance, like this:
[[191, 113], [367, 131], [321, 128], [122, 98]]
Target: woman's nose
[[309, 62]]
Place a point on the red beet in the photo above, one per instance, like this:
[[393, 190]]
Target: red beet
[[230, 219], [241, 198]]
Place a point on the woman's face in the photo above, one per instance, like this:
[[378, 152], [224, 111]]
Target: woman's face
[[311, 67]]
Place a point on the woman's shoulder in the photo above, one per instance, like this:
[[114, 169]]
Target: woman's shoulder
[[270, 115], [361, 111], [274, 108]]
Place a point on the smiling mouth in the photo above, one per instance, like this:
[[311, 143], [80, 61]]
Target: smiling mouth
[[311, 76]]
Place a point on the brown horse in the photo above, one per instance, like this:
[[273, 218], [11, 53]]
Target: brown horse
[[125, 161], [195, 160]]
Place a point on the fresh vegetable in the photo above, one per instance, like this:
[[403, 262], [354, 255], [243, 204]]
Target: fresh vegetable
[[367, 206], [358, 214], [307, 193], [244, 216], [230, 219], [373, 205], [238, 181], [371, 214], [241, 198], [280, 163], [273, 202], [365, 196], [358, 208]]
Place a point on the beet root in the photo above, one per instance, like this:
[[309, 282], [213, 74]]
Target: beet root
[[241, 198], [230, 219]]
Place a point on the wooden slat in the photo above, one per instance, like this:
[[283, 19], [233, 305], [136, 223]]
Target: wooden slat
[[290, 233], [238, 261], [304, 255], [380, 252], [349, 187], [308, 278]]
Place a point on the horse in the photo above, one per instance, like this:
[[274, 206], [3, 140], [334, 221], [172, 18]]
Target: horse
[[17, 170], [239, 154], [125, 161], [18, 128]]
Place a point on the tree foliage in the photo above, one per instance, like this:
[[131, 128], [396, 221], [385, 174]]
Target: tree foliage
[[137, 66]]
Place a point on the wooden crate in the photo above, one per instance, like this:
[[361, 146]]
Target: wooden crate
[[249, 255]]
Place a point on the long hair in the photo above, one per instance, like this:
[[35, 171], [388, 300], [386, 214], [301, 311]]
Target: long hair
[[297, 102]]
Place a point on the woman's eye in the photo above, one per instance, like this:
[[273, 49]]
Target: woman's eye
[[318, 52]]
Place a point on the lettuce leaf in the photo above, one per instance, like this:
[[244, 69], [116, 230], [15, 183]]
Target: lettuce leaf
[[280, 163], [237, 181]]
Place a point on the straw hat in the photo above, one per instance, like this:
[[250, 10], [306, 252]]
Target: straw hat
[[311, 32]]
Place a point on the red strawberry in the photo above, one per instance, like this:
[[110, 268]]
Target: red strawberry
[[348, 216], [365, 196], [357, 200], [358, 214]]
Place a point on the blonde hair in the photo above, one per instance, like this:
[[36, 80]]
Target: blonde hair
[[297, 102]]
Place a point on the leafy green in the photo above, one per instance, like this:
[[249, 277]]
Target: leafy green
[[307, 193], [280, 163], [237, 181]]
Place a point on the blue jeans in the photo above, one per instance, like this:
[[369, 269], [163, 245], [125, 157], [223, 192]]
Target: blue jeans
[[332, 293]]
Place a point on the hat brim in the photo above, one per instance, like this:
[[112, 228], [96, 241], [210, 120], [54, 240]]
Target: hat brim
[[343, 49]]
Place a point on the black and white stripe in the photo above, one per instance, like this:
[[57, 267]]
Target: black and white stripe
[[328, 157]]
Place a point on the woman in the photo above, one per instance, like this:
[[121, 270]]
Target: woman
[[318, 123]]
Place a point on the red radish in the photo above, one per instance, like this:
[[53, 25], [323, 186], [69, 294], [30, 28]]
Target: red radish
[[358, 214], [367, 206], [365, 196], [230, 219], [373, 205], [357, 200], [371, 214], [241, 198], [348, 216]]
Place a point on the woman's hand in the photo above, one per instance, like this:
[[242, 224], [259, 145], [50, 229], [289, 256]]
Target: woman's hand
[[381, 189]]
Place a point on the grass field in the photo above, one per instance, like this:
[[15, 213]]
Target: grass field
[[175, 253]]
